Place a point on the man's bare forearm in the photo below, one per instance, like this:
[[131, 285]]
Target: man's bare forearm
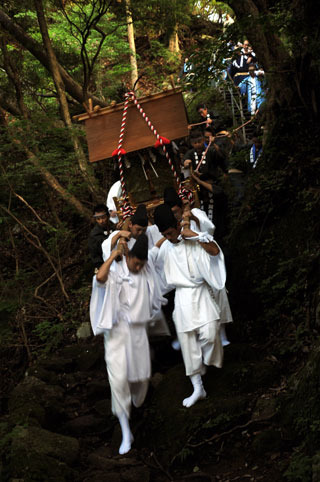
[[211, 248], [103, 273]]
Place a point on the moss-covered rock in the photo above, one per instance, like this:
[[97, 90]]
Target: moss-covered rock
[[37, 454], [85, 356], [316, 467], [33, 401], [171, 426], [301, 407], [269, 440]]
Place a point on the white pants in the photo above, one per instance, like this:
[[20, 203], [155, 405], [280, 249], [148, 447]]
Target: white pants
[[127, 356], [200, 347]]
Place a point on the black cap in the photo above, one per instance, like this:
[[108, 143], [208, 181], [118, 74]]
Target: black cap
[[140, 217], [140, 248], [171, 197], [164, 218]]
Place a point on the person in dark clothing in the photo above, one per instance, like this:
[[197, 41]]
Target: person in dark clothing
[[212, 160], [212, 164], [98, 234], [239, 69], [215, 203], [205, 115]]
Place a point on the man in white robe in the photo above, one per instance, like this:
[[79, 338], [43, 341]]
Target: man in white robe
[[125, 297], [138, 224], [189, 260], [199, 222]]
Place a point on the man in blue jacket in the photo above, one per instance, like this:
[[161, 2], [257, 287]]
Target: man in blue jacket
[[253, 87]]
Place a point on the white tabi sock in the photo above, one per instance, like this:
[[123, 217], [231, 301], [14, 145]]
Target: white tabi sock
[[223, 335], [176, 345], [127, 437], [198, 391]]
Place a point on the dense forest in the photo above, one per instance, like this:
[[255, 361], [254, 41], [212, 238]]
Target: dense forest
[[261, 419]]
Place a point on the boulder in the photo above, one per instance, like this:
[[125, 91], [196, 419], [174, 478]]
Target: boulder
[[85, 356], [103, 408], [127, 467], [85, 424], [37, 454], [84, 330], [36, 402]]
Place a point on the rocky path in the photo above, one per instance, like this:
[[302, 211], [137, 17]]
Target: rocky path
[[59, 426]]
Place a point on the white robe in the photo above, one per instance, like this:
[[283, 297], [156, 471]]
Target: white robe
[[115, 299], [158, 326], [106, 245], [189, 268], [192, 271], [121, 309], [220, 296], [152, 233]]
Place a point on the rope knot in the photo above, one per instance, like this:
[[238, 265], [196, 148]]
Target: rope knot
[[119, 152]]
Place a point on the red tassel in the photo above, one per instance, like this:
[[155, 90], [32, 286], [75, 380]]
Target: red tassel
[[164, 141], [118, 152]]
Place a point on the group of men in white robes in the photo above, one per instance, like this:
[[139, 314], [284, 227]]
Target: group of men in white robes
[[140, 266]]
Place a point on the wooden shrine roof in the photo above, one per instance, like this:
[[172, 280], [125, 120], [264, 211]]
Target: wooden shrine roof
[[166, 112]]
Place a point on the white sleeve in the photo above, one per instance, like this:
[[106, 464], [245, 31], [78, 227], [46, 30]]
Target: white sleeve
[[96, 303], [114, 191], [105, 303], [201, 237], [158, 256], [212, 268], [153, 234], [205, 223], [106, 246]]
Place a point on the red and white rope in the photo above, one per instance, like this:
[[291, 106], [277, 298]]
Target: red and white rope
[[182, 191], [126, 208]]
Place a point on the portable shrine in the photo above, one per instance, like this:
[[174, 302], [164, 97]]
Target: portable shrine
[[139, 132]]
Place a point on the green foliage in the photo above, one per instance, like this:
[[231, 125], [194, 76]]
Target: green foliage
[[184, 455], [50, 334], [300, 468], [7, 436], [161, 16], [221, 419]]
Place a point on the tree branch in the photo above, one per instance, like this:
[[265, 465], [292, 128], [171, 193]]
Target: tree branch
[[27, 42]]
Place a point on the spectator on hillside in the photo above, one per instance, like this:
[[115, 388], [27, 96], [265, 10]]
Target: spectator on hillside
[[255, 151], [253, 87], [186, 73], [248, 52], [240, 65]]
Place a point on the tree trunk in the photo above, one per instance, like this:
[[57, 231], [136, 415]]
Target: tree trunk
[[174, 41], [47, 176], [56, 186], [8, 106], [55, 71], [132, 45], [27, 42]]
